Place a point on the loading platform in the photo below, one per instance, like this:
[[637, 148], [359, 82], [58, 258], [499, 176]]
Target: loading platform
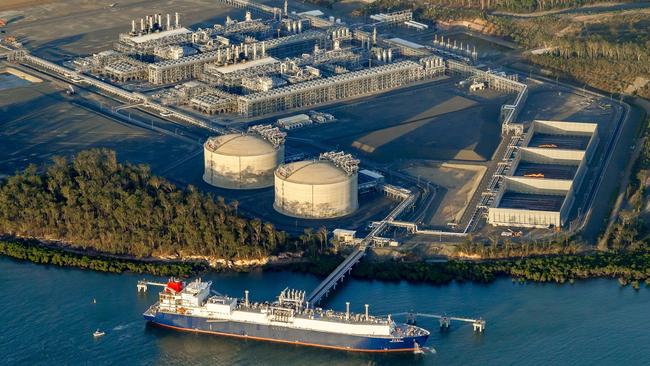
[[144, 284], [478, 325]]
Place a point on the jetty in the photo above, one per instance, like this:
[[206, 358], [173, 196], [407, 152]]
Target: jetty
[[478, 325], [329, 283]]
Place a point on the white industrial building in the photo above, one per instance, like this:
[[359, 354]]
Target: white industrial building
[[243, 161], [344, 236], [539, 186], [321, 188], [291, 122]]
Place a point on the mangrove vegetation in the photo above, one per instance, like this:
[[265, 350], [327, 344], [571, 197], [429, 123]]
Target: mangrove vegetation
[[33, 251], [627, 267]]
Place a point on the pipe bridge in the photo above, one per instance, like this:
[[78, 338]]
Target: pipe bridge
[[329, 283], [143, 285], [412, 228], [339, 273], [138, 100]]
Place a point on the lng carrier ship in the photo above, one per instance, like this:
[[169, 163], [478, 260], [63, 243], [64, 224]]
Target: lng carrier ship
[[195, 307]]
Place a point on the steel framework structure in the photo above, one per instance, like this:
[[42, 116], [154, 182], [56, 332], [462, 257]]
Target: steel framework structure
[[367, 81]]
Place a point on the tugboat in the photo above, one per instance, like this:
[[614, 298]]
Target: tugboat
[[193, 307]]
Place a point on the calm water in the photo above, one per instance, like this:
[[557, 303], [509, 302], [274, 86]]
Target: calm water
[[48, 317]]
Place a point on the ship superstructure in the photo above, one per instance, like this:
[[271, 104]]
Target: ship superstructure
[[289, 319]]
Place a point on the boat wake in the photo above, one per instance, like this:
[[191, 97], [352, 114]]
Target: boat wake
[[424, 351], [124, 326]]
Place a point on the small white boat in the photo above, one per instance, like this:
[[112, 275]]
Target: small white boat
[[98, 333]]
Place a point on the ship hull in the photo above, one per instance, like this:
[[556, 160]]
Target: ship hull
[[282, 334]]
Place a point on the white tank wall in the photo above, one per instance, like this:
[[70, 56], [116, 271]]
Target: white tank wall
[[523, 218], [305, 200], [241, 172]]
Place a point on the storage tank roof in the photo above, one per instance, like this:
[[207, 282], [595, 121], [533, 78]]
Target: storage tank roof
[[240, 145], [312, 172]]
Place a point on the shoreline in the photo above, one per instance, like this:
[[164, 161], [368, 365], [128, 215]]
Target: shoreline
[[34, 251], [628, 267]]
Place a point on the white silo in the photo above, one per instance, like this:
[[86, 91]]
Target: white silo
[[322, 188], [242, 161]]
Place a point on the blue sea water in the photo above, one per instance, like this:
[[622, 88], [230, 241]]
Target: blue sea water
[[47, 317]]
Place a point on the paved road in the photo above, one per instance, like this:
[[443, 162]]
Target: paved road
[[620, 199], [611, 177]]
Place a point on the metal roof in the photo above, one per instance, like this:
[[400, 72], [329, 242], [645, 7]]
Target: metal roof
[[312, 172], [240, 145], [158, 35]]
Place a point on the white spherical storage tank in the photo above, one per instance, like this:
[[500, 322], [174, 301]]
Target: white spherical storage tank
[[241, 161], [315, 189]]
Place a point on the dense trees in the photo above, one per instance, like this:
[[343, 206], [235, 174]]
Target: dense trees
[[34, 252], [323, 3], [606, 65], [484, 5], [628, 267], [505, 249], [95, 202]]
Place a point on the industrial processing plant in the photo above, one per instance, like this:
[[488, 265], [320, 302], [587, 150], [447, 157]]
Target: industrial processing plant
[[270, 95], [257, 66], [538, 189]]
